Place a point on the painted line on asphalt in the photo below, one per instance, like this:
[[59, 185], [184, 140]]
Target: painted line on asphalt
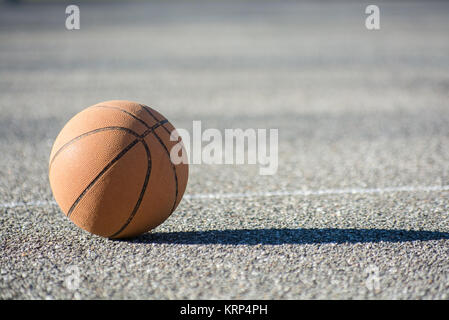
[[245, 195]]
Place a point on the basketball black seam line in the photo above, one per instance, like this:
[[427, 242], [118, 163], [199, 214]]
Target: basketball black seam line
[[124, 111], [88, 134], [99, 175], [116, 158], [173, 168], [145, 108], [142, 192], [105, 128]]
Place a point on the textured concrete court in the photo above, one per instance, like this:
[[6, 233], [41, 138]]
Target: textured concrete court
[[358, 208]]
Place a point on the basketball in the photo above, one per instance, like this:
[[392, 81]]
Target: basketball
[[110, 169]]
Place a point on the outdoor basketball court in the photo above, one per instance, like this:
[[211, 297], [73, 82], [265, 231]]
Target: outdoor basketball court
[[358, 208]]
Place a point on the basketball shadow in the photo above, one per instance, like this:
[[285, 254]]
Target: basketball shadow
[[288, 236]]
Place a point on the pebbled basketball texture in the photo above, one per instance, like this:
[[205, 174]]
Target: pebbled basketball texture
[[110, 169]]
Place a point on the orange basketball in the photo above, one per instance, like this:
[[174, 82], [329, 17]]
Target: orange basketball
[[110, 169]]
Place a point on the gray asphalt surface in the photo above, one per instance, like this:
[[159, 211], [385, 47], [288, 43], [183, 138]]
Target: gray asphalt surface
[[354, 108]]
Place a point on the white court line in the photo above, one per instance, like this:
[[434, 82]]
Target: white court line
[[26, 204], [306, 193], [303, 193]]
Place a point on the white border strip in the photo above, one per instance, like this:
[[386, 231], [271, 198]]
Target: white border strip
[[303, 193]]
